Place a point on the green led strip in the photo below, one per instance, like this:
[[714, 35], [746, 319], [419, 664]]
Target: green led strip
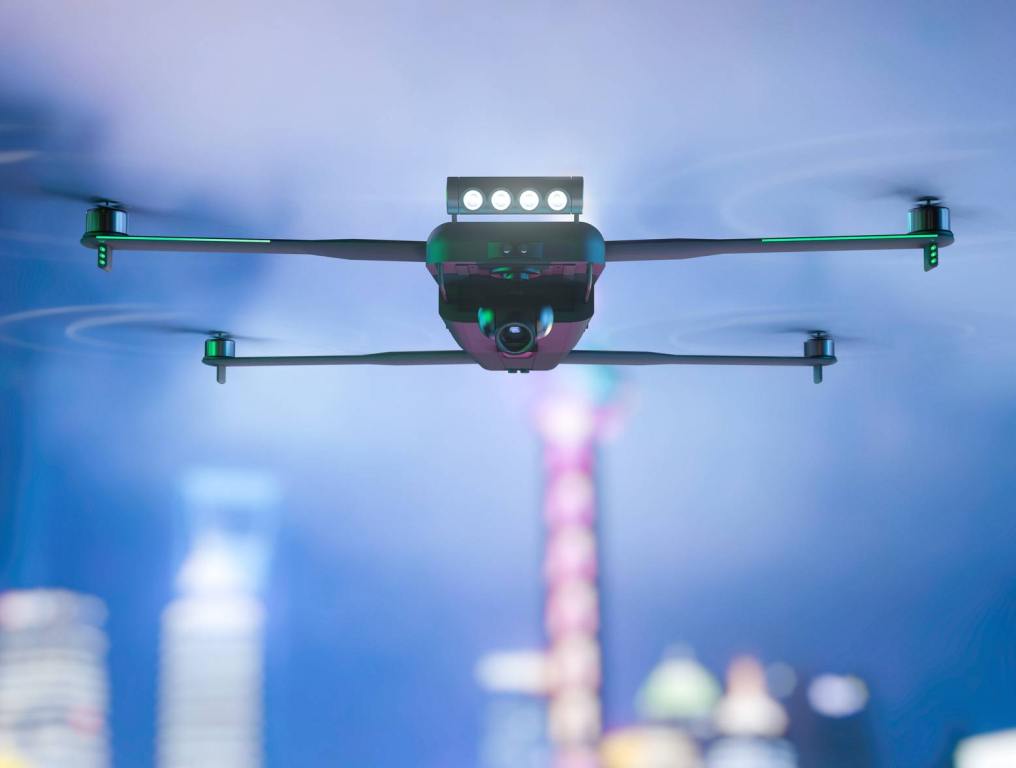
[[927, 236], [181, 239]]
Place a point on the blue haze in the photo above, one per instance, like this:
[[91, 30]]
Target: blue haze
[[863, 526]]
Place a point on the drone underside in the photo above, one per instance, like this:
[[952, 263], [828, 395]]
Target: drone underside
[[517, 296]]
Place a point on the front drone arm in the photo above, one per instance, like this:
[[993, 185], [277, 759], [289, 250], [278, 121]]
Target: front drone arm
[[220, 354], [358, 250], [679, 248]]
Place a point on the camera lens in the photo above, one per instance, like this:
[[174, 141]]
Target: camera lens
[[515, 338]]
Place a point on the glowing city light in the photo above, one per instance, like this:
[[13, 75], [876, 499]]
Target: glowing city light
[[649, 747], [514, 672], [990, 750], [211, 569], [567, 422], [747, 709], [571, 554], [679, 689], [570, 499], [54, 690], [837, 695]]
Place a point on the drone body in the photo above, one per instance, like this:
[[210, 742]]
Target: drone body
[[518, 295]]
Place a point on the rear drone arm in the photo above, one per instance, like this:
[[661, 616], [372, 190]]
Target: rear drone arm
[[359, 250], [819, 352], [679, 248]]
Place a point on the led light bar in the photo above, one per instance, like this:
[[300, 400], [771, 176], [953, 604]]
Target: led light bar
[[514, 194]]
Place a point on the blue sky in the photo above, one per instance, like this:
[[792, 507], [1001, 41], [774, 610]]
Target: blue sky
[[861, 526]]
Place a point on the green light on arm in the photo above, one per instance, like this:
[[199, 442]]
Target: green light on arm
[[927, 236], [181, 239]]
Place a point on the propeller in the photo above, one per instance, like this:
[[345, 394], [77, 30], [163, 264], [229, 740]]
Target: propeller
[[802, 330], [133, 331], [913, 192], [190, 330], [75, 195], [738, 328]]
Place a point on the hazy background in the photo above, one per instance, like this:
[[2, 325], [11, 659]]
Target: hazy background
[[863, 526]]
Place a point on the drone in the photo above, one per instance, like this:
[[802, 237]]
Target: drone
[[517, 295]]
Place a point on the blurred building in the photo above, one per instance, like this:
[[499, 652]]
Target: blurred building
[[988, 750], [680, 692], [650, 747], [830, 724], [212, 649], [514, 727], [54, 685], [751, 723]]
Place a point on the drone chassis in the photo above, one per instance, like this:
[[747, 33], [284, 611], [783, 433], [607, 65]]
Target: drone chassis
[[518, 295]]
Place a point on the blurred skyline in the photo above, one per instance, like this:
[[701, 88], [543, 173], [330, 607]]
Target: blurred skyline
[[863, 526]]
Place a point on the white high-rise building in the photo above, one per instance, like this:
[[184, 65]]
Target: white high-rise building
[[54, 686], [210, 676], [212, 649]]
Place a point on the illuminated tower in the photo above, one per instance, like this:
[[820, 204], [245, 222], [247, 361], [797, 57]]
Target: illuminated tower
[[54, 687], [571, 422], [211, 666]]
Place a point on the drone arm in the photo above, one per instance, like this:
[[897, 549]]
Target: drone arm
[[357, 250], [680, 248], [439, 357], [597, 357]]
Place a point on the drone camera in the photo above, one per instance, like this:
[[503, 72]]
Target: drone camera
[[516, 334], [515, 338], [471, 195]]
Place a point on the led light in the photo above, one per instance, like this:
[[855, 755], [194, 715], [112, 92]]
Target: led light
[[501, 199], [557, 200], [480, 195], [529, 199], [472, 199]]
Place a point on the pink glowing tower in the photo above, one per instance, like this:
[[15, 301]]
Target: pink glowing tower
[[572, 420]]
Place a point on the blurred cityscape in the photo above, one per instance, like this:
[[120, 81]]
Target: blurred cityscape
[[542, 706]]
